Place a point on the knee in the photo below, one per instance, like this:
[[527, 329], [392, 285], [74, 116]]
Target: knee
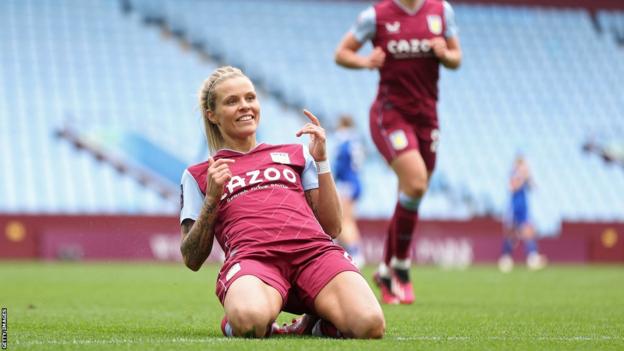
[[249, 320], [415, 188], [370, 325]]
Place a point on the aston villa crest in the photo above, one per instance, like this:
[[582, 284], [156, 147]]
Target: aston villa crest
[[398, 139], [434, 22]]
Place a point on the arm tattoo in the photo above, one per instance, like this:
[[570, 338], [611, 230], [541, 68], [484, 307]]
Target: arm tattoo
[[197, 236]]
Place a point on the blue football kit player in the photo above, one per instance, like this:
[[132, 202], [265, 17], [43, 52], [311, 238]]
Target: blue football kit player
[[348, 159], [520, 227]]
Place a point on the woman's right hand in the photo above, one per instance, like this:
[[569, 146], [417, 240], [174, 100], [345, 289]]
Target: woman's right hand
[[219, 174]]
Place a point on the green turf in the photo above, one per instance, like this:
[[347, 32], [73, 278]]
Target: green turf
[[162, 306]]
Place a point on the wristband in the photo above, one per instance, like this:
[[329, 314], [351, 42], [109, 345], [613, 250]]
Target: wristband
[[323, 167]]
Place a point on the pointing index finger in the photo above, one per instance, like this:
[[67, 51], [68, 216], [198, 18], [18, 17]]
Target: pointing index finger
[[312, 117]]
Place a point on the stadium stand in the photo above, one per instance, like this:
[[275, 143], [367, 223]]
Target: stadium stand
[[612, 23], [87, 65], [518, 91], [535, 80]]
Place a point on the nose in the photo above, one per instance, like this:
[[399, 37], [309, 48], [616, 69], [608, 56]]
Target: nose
[[244, 104]]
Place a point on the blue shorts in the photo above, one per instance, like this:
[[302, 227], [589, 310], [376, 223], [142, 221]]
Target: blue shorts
[[520, 216], [351, 188]]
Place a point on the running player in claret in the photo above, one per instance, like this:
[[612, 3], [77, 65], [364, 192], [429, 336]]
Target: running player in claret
[[519, 226], [274, 210], [348, 159], [411, 38]]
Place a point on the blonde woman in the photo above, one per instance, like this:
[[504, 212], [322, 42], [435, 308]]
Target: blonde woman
[[274, 210]]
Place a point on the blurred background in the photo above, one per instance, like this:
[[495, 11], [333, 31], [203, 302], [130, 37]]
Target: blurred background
[[99, 117]]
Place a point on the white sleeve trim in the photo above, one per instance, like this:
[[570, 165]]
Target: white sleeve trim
[[365, 27], [449, 17], [309, 176], [192, 197]]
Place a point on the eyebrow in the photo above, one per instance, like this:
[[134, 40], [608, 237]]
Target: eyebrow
[[236, 95]]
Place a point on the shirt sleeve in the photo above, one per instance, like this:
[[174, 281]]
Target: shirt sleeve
[[309, 176], [364, 28], [192, 198], [449, 17]]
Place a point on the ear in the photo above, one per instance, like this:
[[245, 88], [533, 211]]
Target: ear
[[211, 117]]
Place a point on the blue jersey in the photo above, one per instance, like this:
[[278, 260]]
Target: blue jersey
[[347, 162], [519, 200]]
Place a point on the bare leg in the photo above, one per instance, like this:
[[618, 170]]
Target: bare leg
[[348, 302], [412, 173], [251, 306]]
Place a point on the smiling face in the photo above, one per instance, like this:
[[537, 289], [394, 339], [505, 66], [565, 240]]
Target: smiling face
[[237, 111]]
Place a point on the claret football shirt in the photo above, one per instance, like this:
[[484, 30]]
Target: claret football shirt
[[263, 207]]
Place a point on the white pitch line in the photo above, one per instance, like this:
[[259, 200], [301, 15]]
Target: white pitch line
[[216, 340], [512, 338], [123, 341]]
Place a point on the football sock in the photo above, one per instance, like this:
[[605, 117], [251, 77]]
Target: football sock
[[408, 202], [530, 246], [383, 270], [402, 274], [400, 263], [227, 330], [507, 246], [401, 268], [389, 247], [404, 221]]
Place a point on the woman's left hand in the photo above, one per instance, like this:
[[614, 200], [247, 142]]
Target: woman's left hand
[[317, 137], [439, 47]]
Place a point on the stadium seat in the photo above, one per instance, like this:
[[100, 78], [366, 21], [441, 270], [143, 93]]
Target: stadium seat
[[536, 80]]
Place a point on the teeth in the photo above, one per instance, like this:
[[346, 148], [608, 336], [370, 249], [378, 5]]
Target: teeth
[[245, 118]]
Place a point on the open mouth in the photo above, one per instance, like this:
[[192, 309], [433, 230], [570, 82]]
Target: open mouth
[[245, 118]]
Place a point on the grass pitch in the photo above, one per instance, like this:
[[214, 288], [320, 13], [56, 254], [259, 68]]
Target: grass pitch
[[165, 306]]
